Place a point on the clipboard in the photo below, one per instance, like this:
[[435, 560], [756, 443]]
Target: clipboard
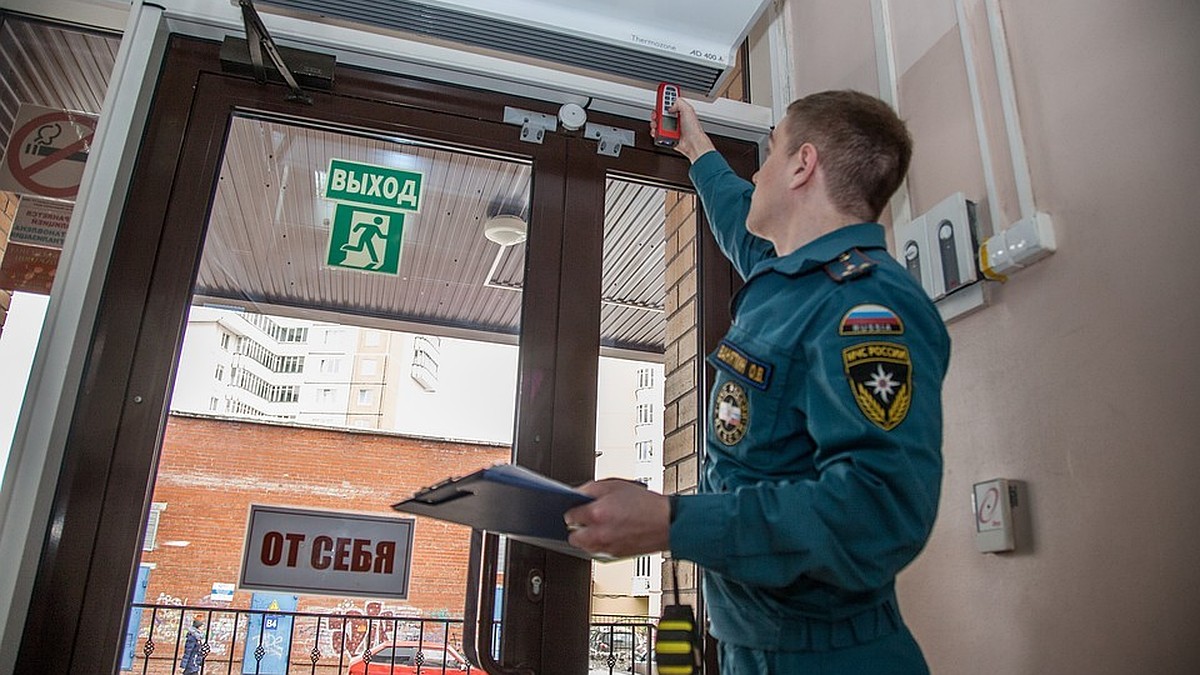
[[505, 499]]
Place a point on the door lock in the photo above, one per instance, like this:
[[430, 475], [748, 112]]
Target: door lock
[[536, 585]]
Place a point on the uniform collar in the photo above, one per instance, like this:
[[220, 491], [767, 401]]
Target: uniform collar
[[823, 249]]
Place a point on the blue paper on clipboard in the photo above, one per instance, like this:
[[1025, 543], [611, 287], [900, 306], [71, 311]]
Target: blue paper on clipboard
[[504, 499]]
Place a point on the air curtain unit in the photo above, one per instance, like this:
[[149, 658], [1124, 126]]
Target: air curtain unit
[[690, 42]]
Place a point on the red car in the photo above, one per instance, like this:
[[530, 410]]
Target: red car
[[410, 658]]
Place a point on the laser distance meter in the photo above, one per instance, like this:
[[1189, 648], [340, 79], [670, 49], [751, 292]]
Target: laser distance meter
[[666, 123]]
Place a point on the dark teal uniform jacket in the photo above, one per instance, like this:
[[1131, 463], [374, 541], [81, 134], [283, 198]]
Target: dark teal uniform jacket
[[823, 465]]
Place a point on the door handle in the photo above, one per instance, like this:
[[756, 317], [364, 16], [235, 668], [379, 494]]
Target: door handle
[[478, 624]]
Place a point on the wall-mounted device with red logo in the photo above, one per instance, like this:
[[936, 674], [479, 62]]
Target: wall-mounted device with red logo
[[994, 503]]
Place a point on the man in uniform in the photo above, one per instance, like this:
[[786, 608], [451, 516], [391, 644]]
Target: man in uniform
[[822, 469]]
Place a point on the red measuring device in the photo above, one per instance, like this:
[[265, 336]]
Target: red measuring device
[[666, 123]]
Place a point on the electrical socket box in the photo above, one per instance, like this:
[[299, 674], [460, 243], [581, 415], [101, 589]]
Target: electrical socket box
[[938, 248], [950, 231], [912, 250], [1030, 239]]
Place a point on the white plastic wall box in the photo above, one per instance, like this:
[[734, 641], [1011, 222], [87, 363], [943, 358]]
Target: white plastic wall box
[[912, 250], [992, 505], [950, 232]]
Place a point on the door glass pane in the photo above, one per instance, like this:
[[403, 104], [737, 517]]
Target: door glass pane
[[339, 356], [45, 69], [643, 271]]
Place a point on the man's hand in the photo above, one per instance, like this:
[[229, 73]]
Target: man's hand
[[693, 142], [625, 519]]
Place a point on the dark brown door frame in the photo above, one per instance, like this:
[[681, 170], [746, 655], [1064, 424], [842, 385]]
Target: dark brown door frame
[[88, 565]]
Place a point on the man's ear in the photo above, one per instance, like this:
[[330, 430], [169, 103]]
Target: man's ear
[[803, 165]]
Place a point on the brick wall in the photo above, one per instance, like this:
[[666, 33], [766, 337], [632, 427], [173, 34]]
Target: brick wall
[[682, 418], [8, 211], [211, 470]]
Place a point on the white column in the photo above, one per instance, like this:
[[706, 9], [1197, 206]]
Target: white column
[[40, 438]]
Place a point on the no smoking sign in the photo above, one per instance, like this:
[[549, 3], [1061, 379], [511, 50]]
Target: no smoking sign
[[47, 152]]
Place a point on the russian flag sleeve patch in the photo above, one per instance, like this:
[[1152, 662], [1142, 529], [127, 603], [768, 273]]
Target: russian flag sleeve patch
[[871, 320]]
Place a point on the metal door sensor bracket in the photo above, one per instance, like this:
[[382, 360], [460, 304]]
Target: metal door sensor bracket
[[611, 139], [533, 125]]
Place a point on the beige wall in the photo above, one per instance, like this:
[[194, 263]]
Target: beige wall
[[1081, 377]]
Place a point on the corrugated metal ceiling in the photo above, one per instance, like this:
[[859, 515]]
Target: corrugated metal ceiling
[[268, 232], [269, 235], [52, 66]]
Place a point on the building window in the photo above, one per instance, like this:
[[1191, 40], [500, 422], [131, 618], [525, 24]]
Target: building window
[[645, 450], [331, 366], [371, 338], [220, 373], [645, 413], [275, 393], [426, 354], [269, 359], [365, 397], [151, 538], [275, 331], [225, 340], [213, 403], [645, 378], [370, 367], [291, 364], [642, 565], [325, 396]]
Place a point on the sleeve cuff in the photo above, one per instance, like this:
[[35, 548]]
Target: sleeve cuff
[[699, 529], [706, 165]]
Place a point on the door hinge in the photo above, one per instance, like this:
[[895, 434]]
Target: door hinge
[[534, 125], [611, 139]]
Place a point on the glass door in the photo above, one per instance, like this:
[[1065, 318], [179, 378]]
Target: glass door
[[312, 311], [352, 337]]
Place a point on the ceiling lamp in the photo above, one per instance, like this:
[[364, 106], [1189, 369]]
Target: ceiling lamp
[[505, 229], [505, 222]]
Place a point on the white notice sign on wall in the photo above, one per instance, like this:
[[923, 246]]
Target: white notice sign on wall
[[40, 222], [328, 552]]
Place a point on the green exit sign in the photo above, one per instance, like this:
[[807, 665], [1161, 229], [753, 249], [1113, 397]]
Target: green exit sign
[[381, 187], [364, 239]]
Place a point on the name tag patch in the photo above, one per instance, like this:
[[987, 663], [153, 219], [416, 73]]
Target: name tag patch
[[754, 372], [871, 320]]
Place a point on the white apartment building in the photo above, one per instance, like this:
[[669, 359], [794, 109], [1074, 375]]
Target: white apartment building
[[253, 365], [629, 440], [241, 365]]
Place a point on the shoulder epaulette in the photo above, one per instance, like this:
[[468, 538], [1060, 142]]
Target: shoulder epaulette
[[850, 265]]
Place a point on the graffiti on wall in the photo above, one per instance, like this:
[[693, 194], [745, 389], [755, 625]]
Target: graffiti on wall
[[166, 629], [379, 622], [341, 630]]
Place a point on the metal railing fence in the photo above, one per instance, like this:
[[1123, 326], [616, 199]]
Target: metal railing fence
[[266, 642]]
